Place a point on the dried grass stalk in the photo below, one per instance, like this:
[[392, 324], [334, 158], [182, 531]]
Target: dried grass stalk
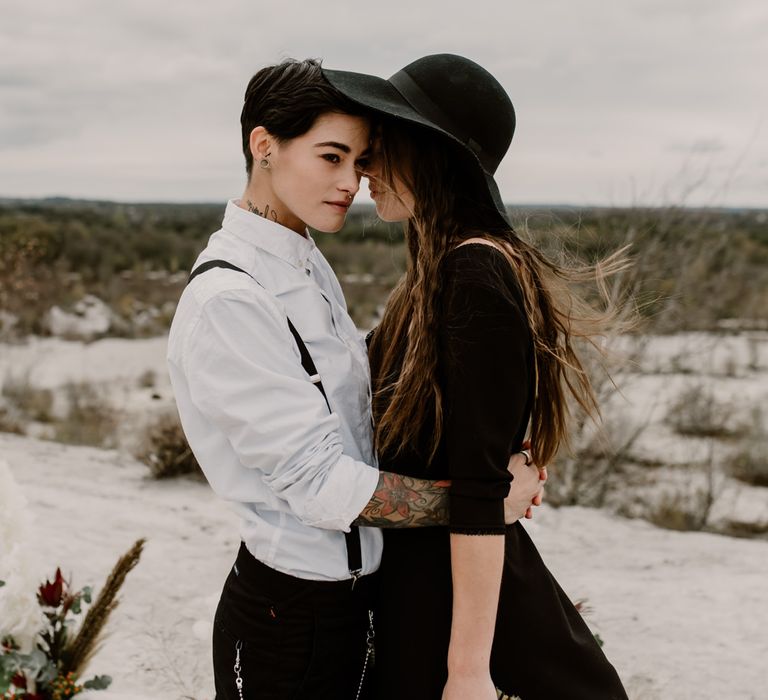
[[82, 648]]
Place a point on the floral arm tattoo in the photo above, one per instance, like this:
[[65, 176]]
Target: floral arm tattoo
[[403, 501]]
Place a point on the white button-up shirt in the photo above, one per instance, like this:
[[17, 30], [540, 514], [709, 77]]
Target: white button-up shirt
[[261, 431]]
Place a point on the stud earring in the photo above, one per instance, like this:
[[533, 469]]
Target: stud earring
[[264, 163]]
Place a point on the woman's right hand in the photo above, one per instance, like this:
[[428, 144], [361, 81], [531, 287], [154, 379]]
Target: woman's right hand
[[526, 489]]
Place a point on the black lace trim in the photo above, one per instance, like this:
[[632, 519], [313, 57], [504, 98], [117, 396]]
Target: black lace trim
[[477, 530]]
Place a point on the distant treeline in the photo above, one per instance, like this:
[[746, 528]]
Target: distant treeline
[[693, 267]]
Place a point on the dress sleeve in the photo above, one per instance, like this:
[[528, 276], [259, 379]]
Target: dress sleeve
[[484, 366]]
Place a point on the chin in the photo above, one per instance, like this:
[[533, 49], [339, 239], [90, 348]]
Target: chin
[[391, 214], [327, 226]]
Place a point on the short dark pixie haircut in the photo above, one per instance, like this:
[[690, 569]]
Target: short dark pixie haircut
[[286, 99]]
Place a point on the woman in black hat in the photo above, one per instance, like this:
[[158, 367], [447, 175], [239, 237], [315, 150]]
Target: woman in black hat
[[476, 345]]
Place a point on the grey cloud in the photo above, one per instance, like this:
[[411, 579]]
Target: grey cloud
[[699, 146], [643, 82]]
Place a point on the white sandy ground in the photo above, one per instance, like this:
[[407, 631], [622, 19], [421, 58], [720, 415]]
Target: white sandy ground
[[684, 616], [733, 368]]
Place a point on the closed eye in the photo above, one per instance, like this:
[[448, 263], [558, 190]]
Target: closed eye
[[362, 163]]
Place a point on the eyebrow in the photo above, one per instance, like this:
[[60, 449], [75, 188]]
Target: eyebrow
[[343, 148], [334, 144]]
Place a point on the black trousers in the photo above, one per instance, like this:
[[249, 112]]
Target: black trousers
[[279, 637]]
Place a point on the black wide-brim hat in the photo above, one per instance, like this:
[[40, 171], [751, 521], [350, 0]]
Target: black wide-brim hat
[[446, 93]]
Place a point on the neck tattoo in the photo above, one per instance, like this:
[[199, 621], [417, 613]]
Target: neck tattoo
[[267, 213]]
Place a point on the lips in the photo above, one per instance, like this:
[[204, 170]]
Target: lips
[[341, 205]]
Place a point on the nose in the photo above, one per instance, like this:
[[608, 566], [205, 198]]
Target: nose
[[350, 184]]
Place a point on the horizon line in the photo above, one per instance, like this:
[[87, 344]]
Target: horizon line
[[4, 200]]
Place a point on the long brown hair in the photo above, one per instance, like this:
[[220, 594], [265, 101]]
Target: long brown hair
[[451, 206]]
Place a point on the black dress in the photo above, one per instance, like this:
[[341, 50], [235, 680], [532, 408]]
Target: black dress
[[542, 648]]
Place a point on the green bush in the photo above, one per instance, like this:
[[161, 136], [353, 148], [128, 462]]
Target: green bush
[[692, 267]]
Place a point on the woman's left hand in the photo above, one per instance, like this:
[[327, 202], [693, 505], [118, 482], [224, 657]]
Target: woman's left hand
[[528, 484], [463, 686], [543, 476]]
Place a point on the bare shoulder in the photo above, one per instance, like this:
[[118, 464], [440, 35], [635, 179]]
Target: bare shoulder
[[479, 255], [476, 240], [480, 265]]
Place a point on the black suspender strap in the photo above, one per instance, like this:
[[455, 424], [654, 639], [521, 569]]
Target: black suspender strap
[[306, 359], [354, 553]]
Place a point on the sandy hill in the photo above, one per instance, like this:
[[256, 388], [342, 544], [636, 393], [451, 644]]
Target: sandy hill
[[683, 615]]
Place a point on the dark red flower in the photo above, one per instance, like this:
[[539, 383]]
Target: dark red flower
[[20, 681], [8, 643], [50, 593]]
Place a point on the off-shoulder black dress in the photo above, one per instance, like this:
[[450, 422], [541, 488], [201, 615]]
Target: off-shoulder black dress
[[542, 648]]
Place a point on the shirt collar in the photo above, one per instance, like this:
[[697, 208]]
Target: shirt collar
[[270, 236]]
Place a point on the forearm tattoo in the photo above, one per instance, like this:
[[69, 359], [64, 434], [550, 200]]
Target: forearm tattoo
[[403, 501], [267, 213]]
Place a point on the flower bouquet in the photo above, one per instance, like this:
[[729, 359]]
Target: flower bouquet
[[62, 649]]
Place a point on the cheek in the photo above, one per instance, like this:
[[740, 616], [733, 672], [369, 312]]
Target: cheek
[[390, 208], [299, 184]]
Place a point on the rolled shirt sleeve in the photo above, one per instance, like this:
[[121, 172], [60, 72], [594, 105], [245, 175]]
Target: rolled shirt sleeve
[[245, 376]]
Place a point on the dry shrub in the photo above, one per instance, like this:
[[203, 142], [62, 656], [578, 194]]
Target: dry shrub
[[9, 422], [750, 463], [596, 468], [690, 508], [166, 452], [90, 419], [679, 511], [697, 413], [740, 528], [147, 379], [26, 402]]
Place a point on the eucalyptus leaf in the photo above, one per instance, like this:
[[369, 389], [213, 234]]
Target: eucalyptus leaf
[[98, 683], [5, 681], [87, 593], [11, 663], [7, 670], [2, 583], [76, 606], [12, 660], [35, 662], [48, 673]]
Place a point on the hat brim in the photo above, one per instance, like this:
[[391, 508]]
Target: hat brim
[[381, 96]]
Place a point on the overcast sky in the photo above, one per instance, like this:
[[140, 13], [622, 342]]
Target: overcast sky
[[625, 102]]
